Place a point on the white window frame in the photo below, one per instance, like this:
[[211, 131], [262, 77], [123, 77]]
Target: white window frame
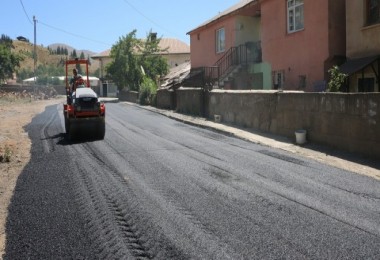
[[220, 39], [295, 15]]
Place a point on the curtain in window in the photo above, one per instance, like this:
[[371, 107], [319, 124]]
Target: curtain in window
[[220, 40]]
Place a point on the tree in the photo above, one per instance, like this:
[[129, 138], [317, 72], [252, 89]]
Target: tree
[[6, 41], [124, 69], [153, 64], [82, 57], [24, 73], [133, 59], [8, 61], [73, 54]]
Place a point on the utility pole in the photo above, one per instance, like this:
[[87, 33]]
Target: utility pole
[[35, 49]]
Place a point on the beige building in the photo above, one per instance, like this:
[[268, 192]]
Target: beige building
[[176, 52], [362, 45]]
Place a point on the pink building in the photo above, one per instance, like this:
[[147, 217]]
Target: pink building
[[297, 41], [302, 40]]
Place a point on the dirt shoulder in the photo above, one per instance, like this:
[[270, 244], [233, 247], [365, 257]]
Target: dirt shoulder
[[15, 114]]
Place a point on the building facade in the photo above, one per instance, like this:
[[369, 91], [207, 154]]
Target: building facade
[[299, 40], [363, 45]]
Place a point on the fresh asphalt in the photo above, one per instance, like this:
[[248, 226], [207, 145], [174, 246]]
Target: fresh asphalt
[[158, 188], [324, 154]]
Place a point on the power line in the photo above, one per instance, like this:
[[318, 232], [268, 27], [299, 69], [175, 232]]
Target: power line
[[73, 34], [146, 17], [26, 14]]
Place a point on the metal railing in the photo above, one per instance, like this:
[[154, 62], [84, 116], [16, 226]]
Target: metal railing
[[239, 55], [244, 54]]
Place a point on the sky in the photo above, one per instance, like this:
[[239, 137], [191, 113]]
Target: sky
[[96, 25]]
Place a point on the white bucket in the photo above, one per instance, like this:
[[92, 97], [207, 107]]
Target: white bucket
[[300, 136], [217, 118]]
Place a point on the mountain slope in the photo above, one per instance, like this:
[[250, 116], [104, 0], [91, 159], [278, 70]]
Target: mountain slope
[[70, 49], [26, 49]]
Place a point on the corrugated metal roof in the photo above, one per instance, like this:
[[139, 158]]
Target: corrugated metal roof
[[176, 75], [230, 10]]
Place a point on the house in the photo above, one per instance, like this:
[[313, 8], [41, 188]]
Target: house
[[362, 45], [228, 46], [293, 43], [175, 52]]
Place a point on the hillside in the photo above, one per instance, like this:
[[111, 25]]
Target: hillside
[[86, 53], [44, 57]]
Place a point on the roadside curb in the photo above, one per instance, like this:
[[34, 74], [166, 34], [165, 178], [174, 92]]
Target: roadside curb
[[108, 100]]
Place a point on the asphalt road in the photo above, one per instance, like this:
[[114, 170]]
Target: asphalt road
[[157, 188]]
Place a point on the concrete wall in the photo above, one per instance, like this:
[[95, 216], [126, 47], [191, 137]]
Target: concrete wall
[[129, 96], [165, 99], [348, 122], [60, 89]]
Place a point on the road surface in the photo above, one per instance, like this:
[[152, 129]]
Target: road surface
[[157, 188]]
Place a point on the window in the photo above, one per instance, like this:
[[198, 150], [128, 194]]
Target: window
[[295, 15], [373, 12], [220, 40]]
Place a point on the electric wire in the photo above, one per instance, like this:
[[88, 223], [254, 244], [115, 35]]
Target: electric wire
[[26, 14], [89, 39], [146, 17], [73, 34]]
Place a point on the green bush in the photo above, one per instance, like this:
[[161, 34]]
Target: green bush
[[337, 79], [148, 90]]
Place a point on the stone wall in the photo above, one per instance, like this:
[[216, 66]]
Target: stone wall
[[348, 122]]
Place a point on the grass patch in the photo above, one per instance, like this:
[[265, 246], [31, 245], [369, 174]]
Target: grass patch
[[6, 155]]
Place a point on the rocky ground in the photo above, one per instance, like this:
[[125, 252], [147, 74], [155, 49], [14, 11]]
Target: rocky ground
[[16, 111]]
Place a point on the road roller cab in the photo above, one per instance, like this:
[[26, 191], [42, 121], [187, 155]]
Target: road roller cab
[[84, 114]]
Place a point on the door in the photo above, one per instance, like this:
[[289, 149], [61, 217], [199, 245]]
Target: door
[[105, 89], [366, 84]]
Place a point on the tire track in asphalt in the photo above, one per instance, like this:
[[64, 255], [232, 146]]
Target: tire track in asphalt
[[127, 222], [267, 184], [186, 213], [46, 138], [185, 217], [110, 223]]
